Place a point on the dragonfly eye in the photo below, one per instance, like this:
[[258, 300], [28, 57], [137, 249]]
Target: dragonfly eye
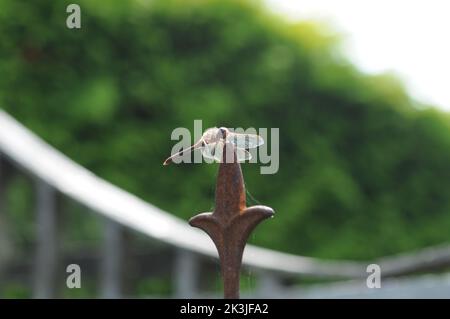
[[223, 132]]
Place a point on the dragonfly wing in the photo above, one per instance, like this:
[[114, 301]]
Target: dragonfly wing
[[210, 135], [243, 155], [245, 141], [209, 150], [218, 151], [215, 151]]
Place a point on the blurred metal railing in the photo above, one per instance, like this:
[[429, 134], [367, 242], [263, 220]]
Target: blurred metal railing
[[54, 172]]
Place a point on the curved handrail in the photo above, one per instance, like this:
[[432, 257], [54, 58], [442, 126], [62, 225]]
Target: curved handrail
[[43, 161]]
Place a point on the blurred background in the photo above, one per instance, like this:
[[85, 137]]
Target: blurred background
[[364, 163]]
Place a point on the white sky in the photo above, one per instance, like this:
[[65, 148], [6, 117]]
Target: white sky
[[411, 38]]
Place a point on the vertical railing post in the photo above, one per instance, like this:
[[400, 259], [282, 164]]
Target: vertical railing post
[[112, 260], [2, 182], [3, 249], [269, 285], [186, 273], [46, 248], [5, 177]]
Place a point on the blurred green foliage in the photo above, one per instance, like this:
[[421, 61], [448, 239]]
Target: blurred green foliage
[[15, 291], [364, 170], [160, 287]]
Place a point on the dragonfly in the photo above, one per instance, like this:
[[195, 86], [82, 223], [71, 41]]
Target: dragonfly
[[213, 141]]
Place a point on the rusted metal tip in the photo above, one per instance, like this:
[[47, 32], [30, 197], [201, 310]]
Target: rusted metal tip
[[231, 223]]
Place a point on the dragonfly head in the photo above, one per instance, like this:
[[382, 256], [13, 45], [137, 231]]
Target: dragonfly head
[[223, 132]]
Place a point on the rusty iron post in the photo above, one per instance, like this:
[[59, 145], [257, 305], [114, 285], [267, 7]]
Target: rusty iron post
[[231, 223]]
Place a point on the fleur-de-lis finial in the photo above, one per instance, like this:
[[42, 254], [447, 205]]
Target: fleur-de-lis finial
[[231, 223]]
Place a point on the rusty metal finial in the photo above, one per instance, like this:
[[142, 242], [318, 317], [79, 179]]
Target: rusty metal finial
[[231, 222]]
